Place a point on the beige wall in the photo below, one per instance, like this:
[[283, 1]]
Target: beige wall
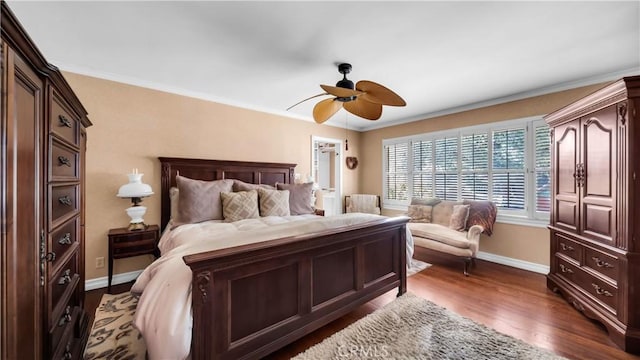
[[519, 242], [133, 126]]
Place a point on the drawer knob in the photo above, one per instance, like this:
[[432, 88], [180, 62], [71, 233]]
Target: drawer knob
[[66, 317], [67, 352], [64, 161], [64, 121], [65, 240], [65, 278], [601, 291], [601, 263], [65, 200], [566, 247], [565, 269], [49, 257]]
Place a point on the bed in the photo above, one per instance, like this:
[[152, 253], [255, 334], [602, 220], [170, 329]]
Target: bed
[[314, 278]]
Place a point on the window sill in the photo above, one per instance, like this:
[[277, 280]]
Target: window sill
[[516, 220]]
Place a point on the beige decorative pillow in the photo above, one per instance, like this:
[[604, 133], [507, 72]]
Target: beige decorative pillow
[[200, 200], [420, 213], [299, 197], [459, 217], [239, 185], [273, 202], [240, 205]]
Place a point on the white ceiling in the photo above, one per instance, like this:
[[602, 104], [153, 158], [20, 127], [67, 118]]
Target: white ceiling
[[441, 57]]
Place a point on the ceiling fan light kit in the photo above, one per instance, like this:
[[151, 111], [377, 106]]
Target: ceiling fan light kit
[[364, 99]]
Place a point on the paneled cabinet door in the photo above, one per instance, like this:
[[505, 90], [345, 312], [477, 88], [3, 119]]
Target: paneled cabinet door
[[598, 185], [23, 196], [566, 176]]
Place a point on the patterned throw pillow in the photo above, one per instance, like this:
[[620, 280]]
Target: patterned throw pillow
[[459, 217], [420, 213], [274, 202], [200, 200], [239, 205], [482, 213]]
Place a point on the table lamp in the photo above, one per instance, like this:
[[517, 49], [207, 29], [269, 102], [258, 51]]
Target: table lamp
[[135, 190]]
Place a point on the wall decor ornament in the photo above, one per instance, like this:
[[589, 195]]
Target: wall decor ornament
[[352, 162]]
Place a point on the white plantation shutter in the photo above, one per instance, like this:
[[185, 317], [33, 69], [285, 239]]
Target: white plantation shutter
[[446, 168], [507, 163], [396, 171], [422, 169], [542, 168], [474, 161], [508, 178]]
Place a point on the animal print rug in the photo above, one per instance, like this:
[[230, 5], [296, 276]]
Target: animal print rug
[[113, 335]]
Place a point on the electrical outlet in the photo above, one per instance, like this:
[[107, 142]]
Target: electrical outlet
[[99, 262]]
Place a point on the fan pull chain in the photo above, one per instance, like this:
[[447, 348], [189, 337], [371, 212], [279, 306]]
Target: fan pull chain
[[346, 132]]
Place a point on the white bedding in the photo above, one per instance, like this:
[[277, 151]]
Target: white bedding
[[163, 315]]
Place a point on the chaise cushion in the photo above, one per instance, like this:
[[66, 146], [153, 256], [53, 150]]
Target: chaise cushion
[[440, 233]]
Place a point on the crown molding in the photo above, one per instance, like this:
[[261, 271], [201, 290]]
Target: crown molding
[[374, 126]]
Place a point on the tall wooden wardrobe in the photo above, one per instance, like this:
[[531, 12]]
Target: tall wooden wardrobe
[[42, 189], [595, 213]]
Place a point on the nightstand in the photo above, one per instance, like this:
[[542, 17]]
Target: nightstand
[[125, 243]]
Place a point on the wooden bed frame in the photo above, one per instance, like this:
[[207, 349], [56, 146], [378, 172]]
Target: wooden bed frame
[[251, 300]]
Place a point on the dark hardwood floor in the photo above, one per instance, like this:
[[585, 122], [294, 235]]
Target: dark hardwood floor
[[509, 300]]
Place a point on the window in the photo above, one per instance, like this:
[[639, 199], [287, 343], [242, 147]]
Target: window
[[507, 163]]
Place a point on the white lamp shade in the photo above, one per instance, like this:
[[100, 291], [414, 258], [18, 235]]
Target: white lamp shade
[[135, 187]]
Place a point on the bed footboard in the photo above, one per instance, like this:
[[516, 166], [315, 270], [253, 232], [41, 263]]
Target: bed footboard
[[249, 301]]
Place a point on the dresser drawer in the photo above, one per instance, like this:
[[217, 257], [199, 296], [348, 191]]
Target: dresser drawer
[[601, 291], [64, 203], [567, 247], [63, 240], [62, 123], [133, 248], [567, 270], [62, 326], [602, 263], [63, 162], [62, 284]]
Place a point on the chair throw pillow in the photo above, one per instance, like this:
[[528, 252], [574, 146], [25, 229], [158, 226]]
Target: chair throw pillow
[[273, 202], [299, 197], [200, 200], [420, 213], [240, 205], [459, 217], [482, 213]]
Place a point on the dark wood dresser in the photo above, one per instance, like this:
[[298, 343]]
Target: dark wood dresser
[[595, 215], [42, 188]]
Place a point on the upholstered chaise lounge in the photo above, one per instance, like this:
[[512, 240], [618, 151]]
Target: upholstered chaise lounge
[[450, 227]]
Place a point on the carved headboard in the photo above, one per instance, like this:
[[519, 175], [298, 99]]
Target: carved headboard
[[249, 172]]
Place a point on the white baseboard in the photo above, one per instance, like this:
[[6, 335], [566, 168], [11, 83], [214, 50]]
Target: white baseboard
[[103, 282], [520, 264]]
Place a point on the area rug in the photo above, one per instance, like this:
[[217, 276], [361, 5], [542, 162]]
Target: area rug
[[413, 328], [416, 267], [113, 335]]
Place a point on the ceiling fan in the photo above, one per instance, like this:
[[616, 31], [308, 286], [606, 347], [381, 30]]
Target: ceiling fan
[[365, 99]]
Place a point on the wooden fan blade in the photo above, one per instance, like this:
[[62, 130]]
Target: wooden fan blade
[[364, 109], [325, 109], [309, 98], [378, 94], [340, 92]]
